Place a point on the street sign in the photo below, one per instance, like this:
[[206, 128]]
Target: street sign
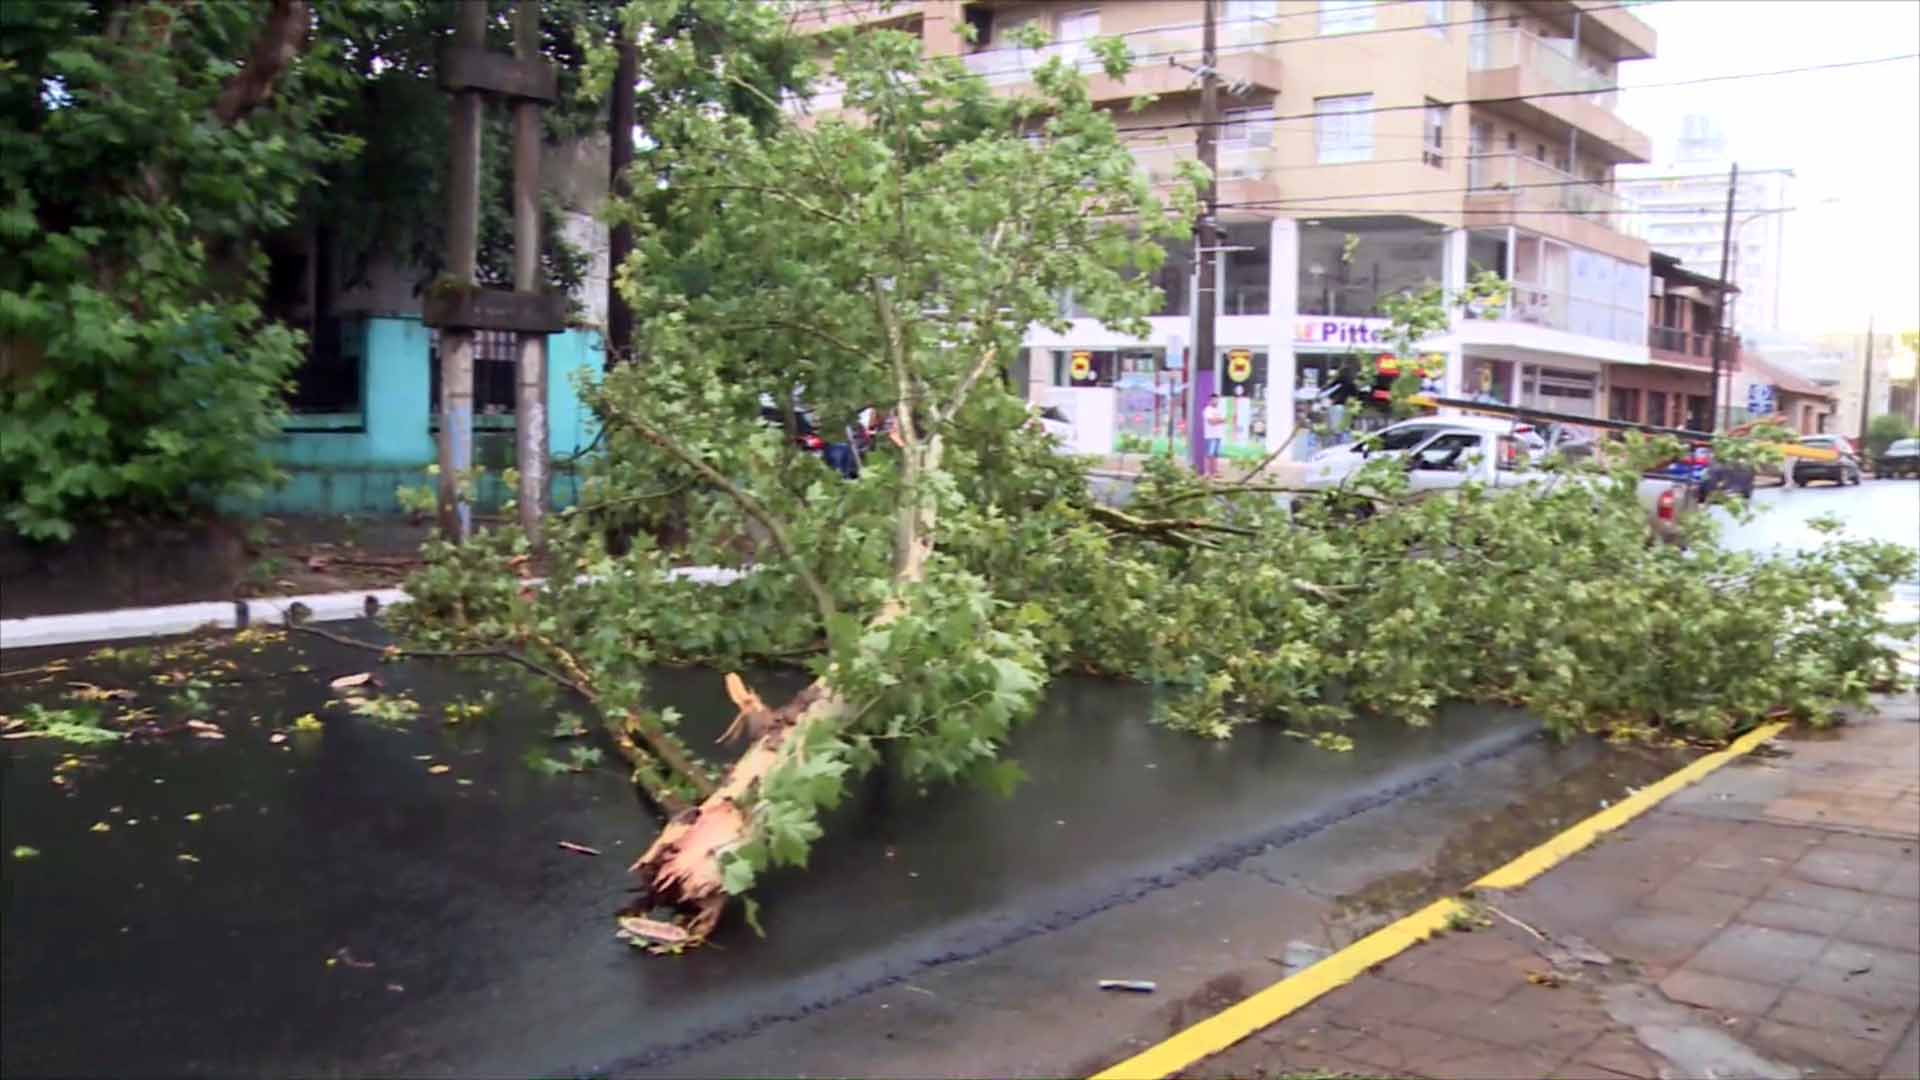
[[1760, 399]]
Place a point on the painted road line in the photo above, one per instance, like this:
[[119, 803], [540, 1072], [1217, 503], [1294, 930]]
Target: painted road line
[[1269, 1006]]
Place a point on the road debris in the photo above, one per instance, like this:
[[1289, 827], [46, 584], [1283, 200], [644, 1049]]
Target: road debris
[[581, 849], [1136, 986]]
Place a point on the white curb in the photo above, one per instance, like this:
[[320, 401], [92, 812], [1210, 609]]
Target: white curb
[[119, 624]]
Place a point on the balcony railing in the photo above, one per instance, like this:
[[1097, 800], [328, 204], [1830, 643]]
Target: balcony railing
[[1007, 64], [1676, 340], [1496, 49], [1537, 186], [1160, 162]]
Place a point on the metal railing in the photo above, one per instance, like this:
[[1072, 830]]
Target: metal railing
[[1002, 63], [1495, 49], [1677, 340], [1160, 162], [1535, 185]]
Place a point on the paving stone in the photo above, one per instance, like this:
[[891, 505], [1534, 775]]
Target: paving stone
[[1659, 939], [1904, 1062], [1373, 998], [1900, 933], [1558, 1021], [1406, 1050], [1508, 1063], [1886, 847], [1793, 917], [1808, 894], [1758, 953], [1883, 978], [1804, 1008], [1679, 896], [1765, 839], [1434, 969], [1719, 992], [1844, 869], [1854, 1057], [1904, 882], [1621, 1054]]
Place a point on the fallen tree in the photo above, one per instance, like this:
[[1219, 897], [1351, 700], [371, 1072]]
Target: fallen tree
[[892, 258]]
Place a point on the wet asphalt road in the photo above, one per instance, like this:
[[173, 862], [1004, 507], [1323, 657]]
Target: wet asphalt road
[[167, 945], [490, 949]]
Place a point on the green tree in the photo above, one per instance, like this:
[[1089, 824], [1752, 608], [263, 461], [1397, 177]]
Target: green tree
[[1885, 430], [893, 256], [144, 149]]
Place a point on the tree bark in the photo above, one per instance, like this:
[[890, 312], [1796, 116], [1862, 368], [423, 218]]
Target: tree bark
[[281, 40], [682, 869]]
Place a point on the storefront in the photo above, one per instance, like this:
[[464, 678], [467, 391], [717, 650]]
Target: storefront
[[1149, 401], [1341, 366], [1545, 385]]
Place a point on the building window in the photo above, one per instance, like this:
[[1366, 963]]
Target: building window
[[1345, 16], [1657, 408], [1513, 142], [1247, 275], [1340, 277], [1246, 128], [1434, 152], [1437, 16], [1343, 128], [1249, 11], [1626, 404], [496, 355]]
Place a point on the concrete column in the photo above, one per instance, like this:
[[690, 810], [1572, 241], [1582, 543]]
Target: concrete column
[[940, 23], [1283, 289], [1455, 271]]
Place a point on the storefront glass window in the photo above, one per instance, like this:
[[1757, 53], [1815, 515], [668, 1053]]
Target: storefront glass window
[[1387, 257], [1246, 271]]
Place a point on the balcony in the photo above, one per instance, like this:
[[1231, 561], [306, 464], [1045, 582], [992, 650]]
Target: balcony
[[1679, 346], [1513, 189], [1246, 174], [1512, 63], [1244, 52]]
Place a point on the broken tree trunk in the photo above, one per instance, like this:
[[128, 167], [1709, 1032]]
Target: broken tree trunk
[[682, 870]]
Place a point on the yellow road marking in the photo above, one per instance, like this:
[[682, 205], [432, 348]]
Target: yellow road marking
[[1223, 1029]]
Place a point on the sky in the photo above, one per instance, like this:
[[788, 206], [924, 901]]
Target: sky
[[1851, 135]]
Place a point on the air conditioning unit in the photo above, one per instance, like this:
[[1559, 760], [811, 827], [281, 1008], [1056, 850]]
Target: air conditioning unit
[[1659, 286]]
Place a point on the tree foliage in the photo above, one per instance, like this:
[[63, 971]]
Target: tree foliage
[[893, 256], [144, 147]]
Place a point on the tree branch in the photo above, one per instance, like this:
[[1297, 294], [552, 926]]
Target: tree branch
[[281, 40], [754, 508]]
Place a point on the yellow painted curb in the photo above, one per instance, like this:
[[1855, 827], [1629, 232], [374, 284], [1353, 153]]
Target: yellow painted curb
[[1223, 1029], [1547, 855]]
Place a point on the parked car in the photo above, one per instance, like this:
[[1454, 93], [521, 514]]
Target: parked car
[[1447, 453], [1902, 458], [1843, 470]]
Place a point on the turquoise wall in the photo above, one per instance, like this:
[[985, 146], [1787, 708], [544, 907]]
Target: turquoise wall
[[352, 463]]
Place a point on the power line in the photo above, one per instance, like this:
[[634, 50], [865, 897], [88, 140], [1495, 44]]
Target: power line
[[1189, 124], [1329, 211], [1490, 188]]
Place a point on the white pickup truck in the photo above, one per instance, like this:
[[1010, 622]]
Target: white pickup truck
[[1446, 453]]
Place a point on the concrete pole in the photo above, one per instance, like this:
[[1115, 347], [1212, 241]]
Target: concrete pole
[[530, 385], [1720, 309], [463, 241], [1207, 295], [621, 120]]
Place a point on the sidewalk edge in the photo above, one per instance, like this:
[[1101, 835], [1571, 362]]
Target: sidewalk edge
[[1268, 1006]]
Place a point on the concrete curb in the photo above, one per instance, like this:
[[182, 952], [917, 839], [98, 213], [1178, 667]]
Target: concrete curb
[[120, 624]]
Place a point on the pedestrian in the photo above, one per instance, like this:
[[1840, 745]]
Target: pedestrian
[[1214, 425]]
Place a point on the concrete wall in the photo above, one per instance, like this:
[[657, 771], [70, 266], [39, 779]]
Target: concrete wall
[[352, 463]]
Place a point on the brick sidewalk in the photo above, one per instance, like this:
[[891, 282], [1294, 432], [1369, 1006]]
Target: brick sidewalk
[[1765, 922]]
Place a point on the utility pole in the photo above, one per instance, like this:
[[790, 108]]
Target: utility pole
[[620, 124], [1720, 307], [463, 242], [1207, 294], [1866, 384], [530, 373]]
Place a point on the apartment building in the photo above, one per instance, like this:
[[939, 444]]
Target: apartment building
[[1682, 197], [1674, 388], [1367, 148]]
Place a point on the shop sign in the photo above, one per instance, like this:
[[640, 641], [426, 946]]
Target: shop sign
[[1430, 366], [1339, 331], [1239, 364], [1082, 367]]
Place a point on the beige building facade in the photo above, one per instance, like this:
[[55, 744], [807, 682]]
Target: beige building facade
[[1366, 147]]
